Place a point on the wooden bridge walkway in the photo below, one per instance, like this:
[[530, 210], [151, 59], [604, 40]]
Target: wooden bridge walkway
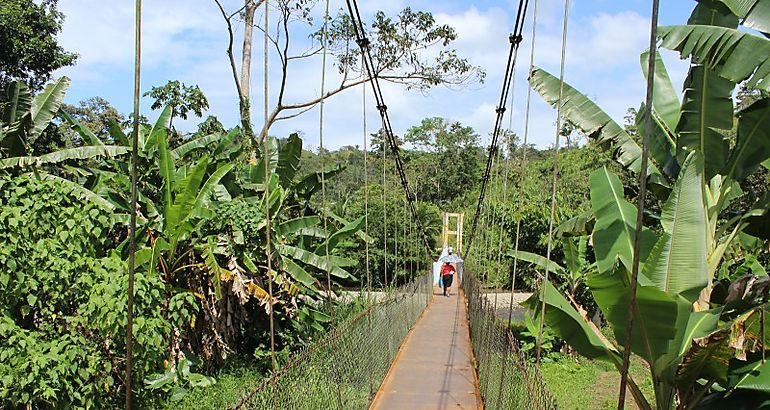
[[434, 368]]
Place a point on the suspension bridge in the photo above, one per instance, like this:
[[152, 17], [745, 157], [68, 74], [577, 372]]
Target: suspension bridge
[[414, 348]]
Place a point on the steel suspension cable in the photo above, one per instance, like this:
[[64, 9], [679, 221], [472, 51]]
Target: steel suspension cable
[[640, 213], [364, 45], [515, 40], [268, 222], [134, 194], [384, 218], [366, 194], [554, 182], [523, 163]]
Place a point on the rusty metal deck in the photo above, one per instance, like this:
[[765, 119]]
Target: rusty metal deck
[[434, 368]]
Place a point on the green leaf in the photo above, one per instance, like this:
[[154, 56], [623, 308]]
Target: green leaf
[[79, 190], [312, 259], [537, 260], [341, 234], [614, 231], [18, 101], [288, 159], [755, 13], [208, 187], [753, 144], [592, 121], [196, 144], [734, 55], [46, 104], [571, 325], [159, 130], [677, 264], [298, 273], [294, 225], [87, 152], [707, 107], [665, 101], [178, 393], [84, 132], [754, 376], [657, 316]]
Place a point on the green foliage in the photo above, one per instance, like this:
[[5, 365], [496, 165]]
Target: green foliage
[[28, 47], [62, 325], [182, 99]]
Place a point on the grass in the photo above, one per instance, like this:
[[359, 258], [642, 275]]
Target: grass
[[233, 381], [580, 383]]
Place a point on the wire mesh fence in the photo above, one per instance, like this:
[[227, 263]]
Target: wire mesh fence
[[345, 369], [507, 380]]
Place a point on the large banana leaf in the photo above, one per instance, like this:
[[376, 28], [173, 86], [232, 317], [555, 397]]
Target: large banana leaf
[[177, 214], [538, 260], [117, 133], [298, 273], [294, 225], [571, 326], [158, 132], [79, 190], [64, 155], [83, 131], [16, 102], [733, 54], [707, 107], [206, 191], [166, 169], [753, 376], [665, 97], [591, 120], [288, 159], [704, 353], [755, 13], [613, 234], [310, 258], [341, 234], [753, 144], [677, 264], [657, 316], [311, 183], [195, 144], [662, 145], [46, 104]]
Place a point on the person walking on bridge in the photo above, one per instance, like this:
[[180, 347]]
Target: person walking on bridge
[[447, 274]]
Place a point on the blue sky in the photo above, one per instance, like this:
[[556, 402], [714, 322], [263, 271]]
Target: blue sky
[[186, 40]]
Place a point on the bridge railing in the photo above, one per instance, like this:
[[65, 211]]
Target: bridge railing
[[507, 379], [345, 369]]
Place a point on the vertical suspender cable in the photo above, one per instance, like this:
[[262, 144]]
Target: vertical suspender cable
[[640, 214], [324, 39], [268, 223], [523, 164], [366, 192], [553, 182], [384, 220], [132, 221]]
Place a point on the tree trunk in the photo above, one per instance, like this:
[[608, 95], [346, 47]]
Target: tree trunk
[[248, 32]]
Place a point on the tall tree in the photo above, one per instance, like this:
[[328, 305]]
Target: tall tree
[[182, 99], [398, 45], [29, 50]]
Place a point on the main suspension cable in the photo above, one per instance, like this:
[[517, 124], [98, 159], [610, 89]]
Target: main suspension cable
[[515, 40], [364, 45]]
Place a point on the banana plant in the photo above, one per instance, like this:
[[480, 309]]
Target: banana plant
[[699, 345]]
